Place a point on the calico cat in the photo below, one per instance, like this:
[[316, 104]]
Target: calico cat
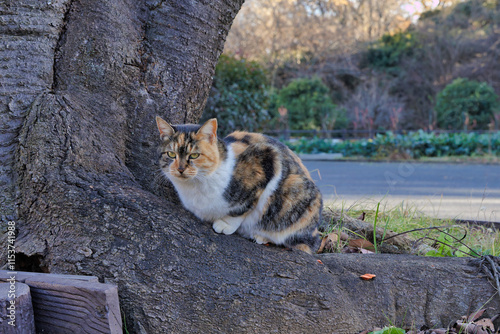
[[247, 182]]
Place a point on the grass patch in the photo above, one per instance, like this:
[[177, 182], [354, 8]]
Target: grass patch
[[441, 237]]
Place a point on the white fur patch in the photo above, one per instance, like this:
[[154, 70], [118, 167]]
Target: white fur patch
[[204, 194]]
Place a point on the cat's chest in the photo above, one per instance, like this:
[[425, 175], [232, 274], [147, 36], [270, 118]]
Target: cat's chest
[[205, 200], [205, 197]]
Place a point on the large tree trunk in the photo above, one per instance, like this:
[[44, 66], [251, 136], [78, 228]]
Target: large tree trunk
[[81, 83]]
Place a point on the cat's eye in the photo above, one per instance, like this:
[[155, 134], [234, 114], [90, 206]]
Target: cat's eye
[[171, 154], [194, 155]]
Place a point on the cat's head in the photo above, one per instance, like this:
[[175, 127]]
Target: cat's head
[[188, 150]]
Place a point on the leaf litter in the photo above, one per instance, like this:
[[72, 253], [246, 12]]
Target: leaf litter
[[475, 323]]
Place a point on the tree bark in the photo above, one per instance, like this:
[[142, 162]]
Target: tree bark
[[81, 83]]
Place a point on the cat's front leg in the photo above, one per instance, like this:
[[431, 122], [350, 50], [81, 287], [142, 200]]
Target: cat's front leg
[[228, 224]]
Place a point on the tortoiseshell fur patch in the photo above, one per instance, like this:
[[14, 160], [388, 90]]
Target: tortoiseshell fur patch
[[247, 182]]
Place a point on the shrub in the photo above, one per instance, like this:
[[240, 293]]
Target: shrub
[[388, 51], [466, 104], [239, 97], [309, 106]]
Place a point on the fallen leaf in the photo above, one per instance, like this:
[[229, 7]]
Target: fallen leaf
[[440, 331], [333, 237], [322, 246], [319, 261], [344, 236], [486, 323], [474, 316], [349, 250], [470, 328], [367, 277], [365, 251], [329, 242], [361, 243]]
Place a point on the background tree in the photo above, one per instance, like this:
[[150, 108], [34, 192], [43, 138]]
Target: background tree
[[239, 97], [294, 32], [309, 106], [354, 46], [81, 84]]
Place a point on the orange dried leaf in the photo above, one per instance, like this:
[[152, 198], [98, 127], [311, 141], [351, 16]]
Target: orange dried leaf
[[319, 261], [367, 277]]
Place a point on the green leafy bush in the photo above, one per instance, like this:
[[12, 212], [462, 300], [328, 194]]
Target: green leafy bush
[[389, 330], [239, 98], [466, 104], [310, 106], [450, 246]]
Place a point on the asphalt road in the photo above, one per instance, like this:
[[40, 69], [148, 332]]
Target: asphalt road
[[463, 191]]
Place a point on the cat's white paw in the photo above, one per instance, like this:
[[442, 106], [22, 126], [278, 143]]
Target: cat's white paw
[[261, 240], [220, 226]]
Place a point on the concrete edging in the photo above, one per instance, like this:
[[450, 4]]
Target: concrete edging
[[321, 156]]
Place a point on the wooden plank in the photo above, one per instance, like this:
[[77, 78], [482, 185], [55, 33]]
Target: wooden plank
[[21, 276], [16, 311], [64, 306]]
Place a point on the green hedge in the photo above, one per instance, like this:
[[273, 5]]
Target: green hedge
[[416, 144], [466, 103]]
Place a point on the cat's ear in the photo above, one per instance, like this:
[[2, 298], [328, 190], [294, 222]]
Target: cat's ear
[[209, 129], [166, 130]]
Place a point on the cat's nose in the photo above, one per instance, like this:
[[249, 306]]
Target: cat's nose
[[181, 169]]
